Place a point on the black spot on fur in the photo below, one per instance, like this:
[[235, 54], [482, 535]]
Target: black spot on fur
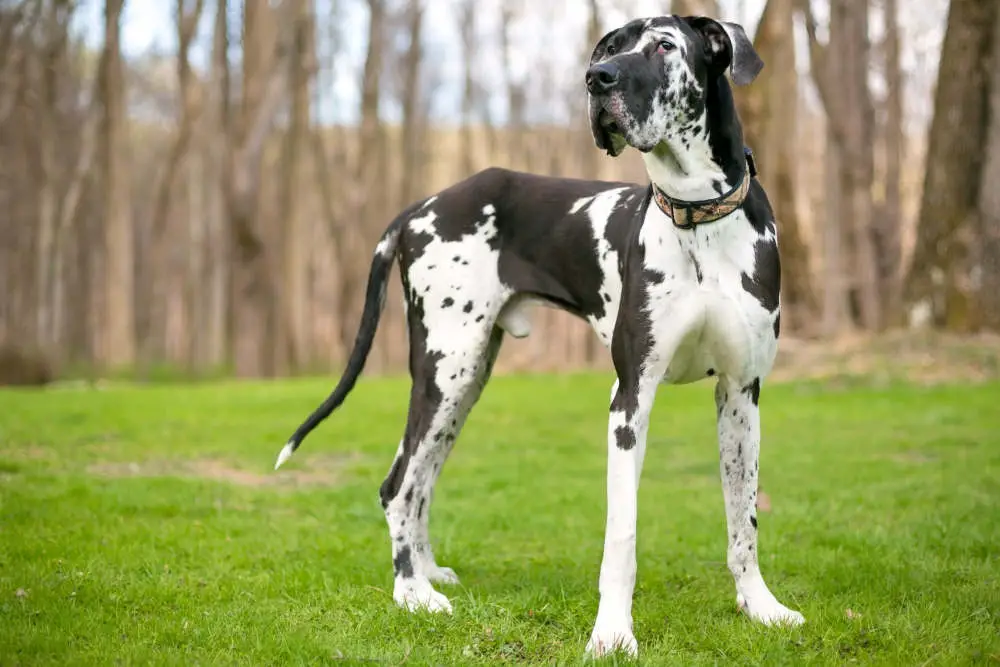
[[467, 308], [420, 508], [752, 390], [777, 325], [764, 285], [448, 302], [402, 565], [480, 318], [625, 437], [753, 521], [653, 277], [697, 267], [409, 496]]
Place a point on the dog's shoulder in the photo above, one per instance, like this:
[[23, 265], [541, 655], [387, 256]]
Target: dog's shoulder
[[758, 209]]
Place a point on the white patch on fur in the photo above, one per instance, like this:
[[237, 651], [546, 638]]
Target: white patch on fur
[[283, 456], [489, 209], [383, 246], [599, 215], [579, 204]]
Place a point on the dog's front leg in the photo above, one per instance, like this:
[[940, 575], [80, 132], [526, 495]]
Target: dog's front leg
[[627, 427], [739, 448]]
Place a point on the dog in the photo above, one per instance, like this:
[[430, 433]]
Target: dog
[[679, 278]]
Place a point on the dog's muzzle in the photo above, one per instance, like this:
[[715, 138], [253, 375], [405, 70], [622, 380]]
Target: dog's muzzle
[[602, 80]]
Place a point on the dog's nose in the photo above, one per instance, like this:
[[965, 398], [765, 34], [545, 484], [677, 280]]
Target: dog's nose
[[602, 78]]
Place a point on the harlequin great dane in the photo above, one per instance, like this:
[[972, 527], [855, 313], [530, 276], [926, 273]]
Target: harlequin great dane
[[679, 278]]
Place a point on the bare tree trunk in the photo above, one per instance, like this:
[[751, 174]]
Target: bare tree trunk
[[47, 77], [296, 227], [118, 345], [835, 317], [467, 29], [955, 155], [368, 177], [858, 166], [413, 130], [163, 272], [254, 317], [210, 271], [695, 8], [828, 72], [770, 114], [890, 228], [989, 199]]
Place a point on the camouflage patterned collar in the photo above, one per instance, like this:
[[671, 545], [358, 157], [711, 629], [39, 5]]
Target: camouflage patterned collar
[[690, 214]]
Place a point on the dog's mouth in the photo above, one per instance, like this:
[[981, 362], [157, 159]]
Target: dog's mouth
[[608, 123], [607, 130]]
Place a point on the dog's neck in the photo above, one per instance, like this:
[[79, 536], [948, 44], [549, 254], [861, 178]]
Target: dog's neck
[[702, 159]]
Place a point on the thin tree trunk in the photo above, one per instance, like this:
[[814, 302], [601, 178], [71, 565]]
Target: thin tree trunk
[[891, 227], [368, 178], [467, 29], [163, 272], [828, 71], [295, 233], [118, 346], [858, 164]]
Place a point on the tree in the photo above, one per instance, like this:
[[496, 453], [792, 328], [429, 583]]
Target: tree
[[989, 198], [938, 272], [840, 69], [770, 127], [295, 233], [118, 344], [188, 13], [890, 220]]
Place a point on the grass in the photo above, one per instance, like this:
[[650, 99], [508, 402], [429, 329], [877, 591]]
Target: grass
[[141, 525]]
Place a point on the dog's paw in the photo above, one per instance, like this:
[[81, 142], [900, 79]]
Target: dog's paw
[[442, 575], [609, 638], [765, 608], [416, 595]]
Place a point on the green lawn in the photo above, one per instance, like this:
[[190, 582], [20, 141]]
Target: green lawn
[[142, 525]]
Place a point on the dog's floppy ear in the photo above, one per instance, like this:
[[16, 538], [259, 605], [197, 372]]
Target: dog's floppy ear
[[729, 48]]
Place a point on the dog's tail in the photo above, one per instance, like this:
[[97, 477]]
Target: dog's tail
[[378, 278]]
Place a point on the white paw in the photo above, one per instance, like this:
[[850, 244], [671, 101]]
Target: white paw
[[610, 637], [441, 575], [418, 595], [765, 608]]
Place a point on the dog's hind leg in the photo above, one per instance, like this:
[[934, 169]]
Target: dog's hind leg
[[484, 370], [739, 447], [446, 385]]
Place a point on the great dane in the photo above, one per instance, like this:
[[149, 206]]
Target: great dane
[[678, 277]]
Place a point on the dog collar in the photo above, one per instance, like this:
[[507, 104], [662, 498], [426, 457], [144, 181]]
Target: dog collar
[[690, 214]]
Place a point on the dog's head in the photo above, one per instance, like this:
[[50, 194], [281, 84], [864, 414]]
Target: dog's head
[[651, 75]]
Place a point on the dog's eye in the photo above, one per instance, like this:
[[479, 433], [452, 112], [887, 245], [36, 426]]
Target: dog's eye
[[665, 47], [610, 49]]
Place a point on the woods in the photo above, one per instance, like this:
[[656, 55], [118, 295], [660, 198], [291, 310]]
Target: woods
[[211, 206]]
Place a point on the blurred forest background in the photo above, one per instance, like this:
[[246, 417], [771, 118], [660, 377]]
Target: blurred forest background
[[197, 185]]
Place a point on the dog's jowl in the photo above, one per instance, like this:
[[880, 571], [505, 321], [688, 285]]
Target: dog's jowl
[[679, 278]]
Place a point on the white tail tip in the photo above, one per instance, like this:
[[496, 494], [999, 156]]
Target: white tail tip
[[285, 454]]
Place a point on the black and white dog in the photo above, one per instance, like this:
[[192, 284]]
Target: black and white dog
[[679, 278]]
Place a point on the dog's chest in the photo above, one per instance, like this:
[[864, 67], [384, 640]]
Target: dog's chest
[[704, 299]]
